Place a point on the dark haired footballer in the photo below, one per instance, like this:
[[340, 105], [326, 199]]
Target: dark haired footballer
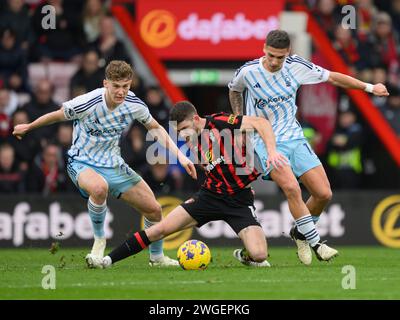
[[225, 194]]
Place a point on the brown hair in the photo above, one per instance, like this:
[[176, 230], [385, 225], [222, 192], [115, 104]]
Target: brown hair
[[181, 111], [278, 39], [118, 70]]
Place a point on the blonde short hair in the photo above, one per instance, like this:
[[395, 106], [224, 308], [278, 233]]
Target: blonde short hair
[[118, 70]]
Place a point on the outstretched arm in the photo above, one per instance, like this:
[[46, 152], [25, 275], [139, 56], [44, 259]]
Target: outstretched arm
[[162, 136], [347, 82], [264, 128], [236, 100], [47, 119]]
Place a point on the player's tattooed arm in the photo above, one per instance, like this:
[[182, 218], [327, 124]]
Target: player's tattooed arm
[[236, 100]]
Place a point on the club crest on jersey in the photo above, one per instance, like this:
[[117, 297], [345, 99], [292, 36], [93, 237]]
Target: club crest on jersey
[[122, 119]]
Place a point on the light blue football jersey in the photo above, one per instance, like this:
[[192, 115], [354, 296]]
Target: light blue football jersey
[[97, 130], [273, 95]]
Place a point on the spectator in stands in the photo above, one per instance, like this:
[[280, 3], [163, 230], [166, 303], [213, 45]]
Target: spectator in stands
[[379, 74], [381, 47], [159, 179], [47, 174], [108, 45], [366, 12], [11, 177], [89, 76], [346, 45], [42, 103], [13, 67], [391, 110], [5, 126], [137, 86], [133, 149], [77, 91], [154, 98], [387, 45], [8, 101], [65, 41], [395, 13], [93, 11], [64, 139], [16, 17], [312, 135], [327, 16], [344, 152], [26, 149]]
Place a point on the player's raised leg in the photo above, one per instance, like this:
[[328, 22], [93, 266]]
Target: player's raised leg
[[317, 184], [97, 189], [142, 198], [255, 253], [177, 219]]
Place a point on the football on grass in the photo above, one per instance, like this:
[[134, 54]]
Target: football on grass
[[194, 255]]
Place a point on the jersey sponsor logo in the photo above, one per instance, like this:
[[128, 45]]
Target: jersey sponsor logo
[[97, 132], [260, 103], [214, 163], [231, 119], [257, 85]]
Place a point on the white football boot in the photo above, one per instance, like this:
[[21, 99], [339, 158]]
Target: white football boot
[[324, 252], [106, 262], [303, 248], [95, 257], [164, 261], [246, 260]]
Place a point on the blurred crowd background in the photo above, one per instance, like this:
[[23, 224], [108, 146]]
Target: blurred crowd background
[[85, 36]]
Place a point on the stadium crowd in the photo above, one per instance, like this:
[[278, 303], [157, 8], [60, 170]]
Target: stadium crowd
[[89, 40]]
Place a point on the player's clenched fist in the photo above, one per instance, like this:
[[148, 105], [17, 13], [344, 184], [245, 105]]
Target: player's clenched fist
[[20, 130], [380, 90]]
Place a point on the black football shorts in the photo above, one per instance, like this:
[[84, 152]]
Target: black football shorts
[[237, 210]]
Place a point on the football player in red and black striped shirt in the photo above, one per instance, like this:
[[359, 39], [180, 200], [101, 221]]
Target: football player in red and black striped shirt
[[225, 194]]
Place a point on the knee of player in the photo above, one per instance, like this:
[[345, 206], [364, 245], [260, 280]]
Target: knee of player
[[100, 191], [326, 195], [291, 189], [153, 213]]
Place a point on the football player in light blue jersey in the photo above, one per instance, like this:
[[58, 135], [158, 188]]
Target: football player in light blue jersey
[[95, 164], [267, 86]]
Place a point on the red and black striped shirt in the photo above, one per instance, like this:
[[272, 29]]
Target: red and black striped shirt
[[223, 155]]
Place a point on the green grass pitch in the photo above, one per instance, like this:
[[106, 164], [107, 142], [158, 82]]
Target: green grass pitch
[[377, 277]]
